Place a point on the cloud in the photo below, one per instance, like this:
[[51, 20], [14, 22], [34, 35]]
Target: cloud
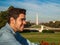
[[7, 0], [47, 10], [3, 8]]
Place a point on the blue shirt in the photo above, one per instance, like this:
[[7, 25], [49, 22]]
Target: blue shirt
[[9, 37]]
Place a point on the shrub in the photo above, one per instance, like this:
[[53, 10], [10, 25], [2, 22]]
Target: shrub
[[48, 31], [27, 31]]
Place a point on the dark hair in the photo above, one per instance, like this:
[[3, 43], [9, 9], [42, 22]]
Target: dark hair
[[14, 12]]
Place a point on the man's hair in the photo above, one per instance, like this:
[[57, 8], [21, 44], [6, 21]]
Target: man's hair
[[14, 12]]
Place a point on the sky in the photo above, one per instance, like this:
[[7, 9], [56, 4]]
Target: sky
[[47, 10]]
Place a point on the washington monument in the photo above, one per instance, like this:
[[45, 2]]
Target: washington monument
[[37, 19]]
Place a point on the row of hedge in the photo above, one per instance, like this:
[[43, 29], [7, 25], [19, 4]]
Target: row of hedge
[[44, 31], [48, 31]]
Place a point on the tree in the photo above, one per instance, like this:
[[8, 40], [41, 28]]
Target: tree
[[55, 24], [28, 24], [10, 7], [3, 16]]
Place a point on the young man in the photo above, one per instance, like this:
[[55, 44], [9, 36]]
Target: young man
[[9, 34]]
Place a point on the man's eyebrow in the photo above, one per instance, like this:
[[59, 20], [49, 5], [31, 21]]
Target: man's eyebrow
[[23, 18]]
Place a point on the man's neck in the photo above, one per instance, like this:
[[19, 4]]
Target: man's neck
[[13, 27]]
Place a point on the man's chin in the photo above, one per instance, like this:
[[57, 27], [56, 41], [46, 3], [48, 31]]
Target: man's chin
[[21, 30]]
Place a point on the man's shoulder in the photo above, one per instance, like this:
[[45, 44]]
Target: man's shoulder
[[7, 38], [5, 34], [4, 30]]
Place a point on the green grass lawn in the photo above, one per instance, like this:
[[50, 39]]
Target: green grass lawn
[[38, 37]]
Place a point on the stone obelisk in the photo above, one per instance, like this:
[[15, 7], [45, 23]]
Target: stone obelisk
[[36, 19]]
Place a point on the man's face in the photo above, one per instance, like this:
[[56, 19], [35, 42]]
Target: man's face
[[20, 22]]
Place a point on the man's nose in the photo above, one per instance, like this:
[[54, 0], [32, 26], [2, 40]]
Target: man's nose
[[24, 22]]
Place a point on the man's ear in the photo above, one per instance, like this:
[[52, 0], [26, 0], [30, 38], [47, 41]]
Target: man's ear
[[12, 20]]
